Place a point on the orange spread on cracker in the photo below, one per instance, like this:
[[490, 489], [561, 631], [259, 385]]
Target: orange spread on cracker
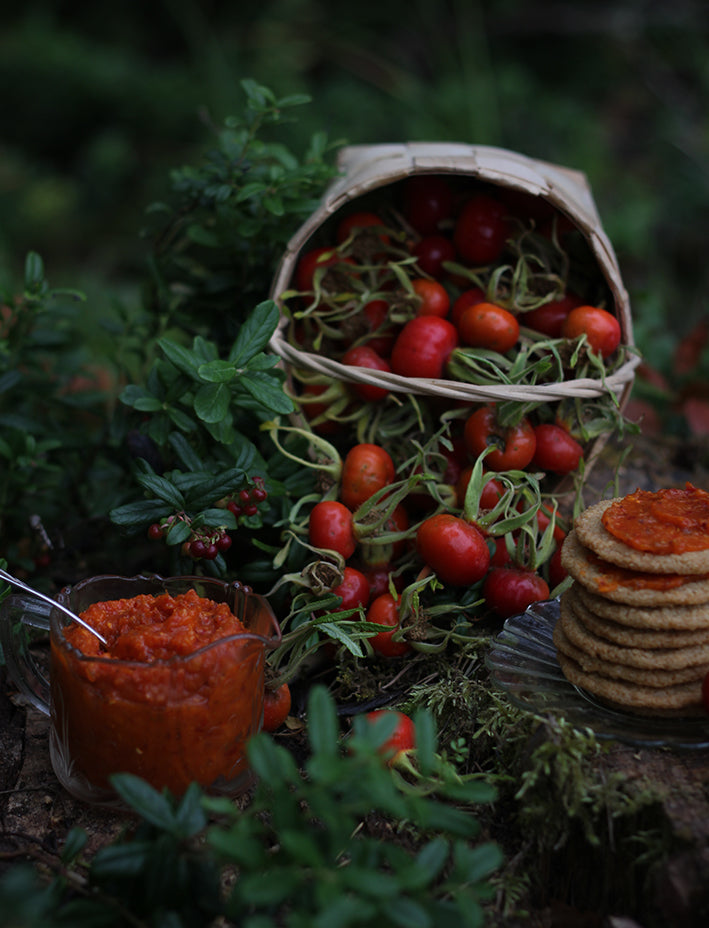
[[612, 577], [668, 521]]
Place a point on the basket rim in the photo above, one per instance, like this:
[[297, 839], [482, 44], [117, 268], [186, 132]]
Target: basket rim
[[366, 168], [566, 189], [618, 382]]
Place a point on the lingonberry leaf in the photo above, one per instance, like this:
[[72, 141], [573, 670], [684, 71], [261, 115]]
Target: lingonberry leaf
[[322, 722], [153, 806], [142, 512], [162, 488], [254, 333], [181, 357], [211, 402], [217, 371], [268, 391]]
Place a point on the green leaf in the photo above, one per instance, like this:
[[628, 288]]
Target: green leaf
[[472, 791], [201, 236], [74, 843], [268, 391], [34, 271], [257, 95], [345, 912], [259, 921], [425, 740], [180, 419], [301, 846], [190, 817], [140, 398], [254, 189], [270, 762], [407, 913], [369, 882], [274, 204], [180, 356], [211, 402], [293, 99], [268, 889], [222, 432], [456, 821], [148, 404], [477, 863], [431, 860], [214, 516], [263, 362], [185, 452], [121, 860], [203, 350], [254, 333], [238, 845], [163, 489], [140, 513], [153, 806], [217, 371], [323, 732], [178, 532], [339, 634]]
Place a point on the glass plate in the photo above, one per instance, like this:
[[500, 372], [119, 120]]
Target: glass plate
[[522, 661]]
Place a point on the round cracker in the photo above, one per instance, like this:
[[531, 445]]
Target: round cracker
[[615, 582], [673, 618], [652, 661], [623, 672], [683, 699], [594, 536], [655, 635]]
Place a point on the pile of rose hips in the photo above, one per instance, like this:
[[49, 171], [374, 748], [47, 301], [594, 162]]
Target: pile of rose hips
[[444, 279], [449, 267], [389, 534]]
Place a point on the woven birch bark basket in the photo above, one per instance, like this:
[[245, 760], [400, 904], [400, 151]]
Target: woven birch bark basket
[[369, 175]]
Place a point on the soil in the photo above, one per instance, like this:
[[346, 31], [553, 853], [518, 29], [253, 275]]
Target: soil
[[583, 886]]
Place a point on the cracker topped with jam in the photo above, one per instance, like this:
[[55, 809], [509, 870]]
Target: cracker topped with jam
[[634, 624]]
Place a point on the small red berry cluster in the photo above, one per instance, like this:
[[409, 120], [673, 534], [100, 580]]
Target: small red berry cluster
[[248, 499], [207, 543]]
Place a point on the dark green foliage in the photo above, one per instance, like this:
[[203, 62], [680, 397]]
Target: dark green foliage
[[301, 853], [219, 239]]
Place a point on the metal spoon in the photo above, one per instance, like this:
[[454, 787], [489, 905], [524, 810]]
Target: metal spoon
[[47, 599]]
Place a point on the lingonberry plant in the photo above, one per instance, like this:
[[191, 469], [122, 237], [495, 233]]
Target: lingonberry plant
[[310, 829], [217, 239], [69, 451], [201, 417], [205, 469]]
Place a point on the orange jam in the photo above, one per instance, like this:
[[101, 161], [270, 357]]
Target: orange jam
[[614, 577], [173, 698], [671, 521]]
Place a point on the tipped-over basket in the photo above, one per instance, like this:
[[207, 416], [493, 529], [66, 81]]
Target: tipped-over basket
[[371, 174]]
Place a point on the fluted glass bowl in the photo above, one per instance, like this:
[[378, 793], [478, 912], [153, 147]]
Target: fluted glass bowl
[[522, 662]]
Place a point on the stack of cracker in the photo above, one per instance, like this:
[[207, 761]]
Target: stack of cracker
[[634, 624]]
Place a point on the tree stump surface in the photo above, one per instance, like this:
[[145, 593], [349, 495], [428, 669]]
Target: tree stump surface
[[36, 813]]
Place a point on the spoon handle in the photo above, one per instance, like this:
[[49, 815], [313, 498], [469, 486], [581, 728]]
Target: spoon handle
[[52, 602]]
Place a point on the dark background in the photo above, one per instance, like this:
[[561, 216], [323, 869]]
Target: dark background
[[100, 102]]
